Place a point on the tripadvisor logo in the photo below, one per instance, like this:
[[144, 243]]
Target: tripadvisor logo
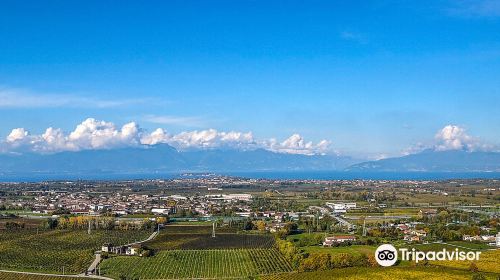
[[387, 255]]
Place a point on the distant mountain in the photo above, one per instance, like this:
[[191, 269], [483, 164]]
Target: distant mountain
[[164, 158], [434, 161]]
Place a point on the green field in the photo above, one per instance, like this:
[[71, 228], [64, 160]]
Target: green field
[[488, 262], [353, 249], [178, 264], [415, 273], [53, 251], [466, 246], [19, 276]]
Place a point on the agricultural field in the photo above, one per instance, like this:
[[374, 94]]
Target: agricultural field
[[200, 238], [354, 250], [387, 273], [451, 246], [20, 276], [196, 229], [166, 241], [57, 250], [28, 223], [488, 262], [178, 264]]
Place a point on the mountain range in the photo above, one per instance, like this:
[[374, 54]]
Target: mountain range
[[164, 158], [435, 161]]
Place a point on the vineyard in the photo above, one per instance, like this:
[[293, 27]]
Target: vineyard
[[387, 273], [19, 276], [177, 264], [194, 229], [196, 237], [57, 250], [167, 241], [488, 262]]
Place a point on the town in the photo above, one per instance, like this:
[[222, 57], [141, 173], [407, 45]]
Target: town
[[408, 210]]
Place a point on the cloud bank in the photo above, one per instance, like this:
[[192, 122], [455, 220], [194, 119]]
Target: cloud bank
[[94, 134]]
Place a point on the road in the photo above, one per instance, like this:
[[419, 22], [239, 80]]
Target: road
[[58, 275]]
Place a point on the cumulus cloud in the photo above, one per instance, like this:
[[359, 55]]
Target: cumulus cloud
[[94, 134], [212, 138], [451, 137], [296, 144], [17, 135]]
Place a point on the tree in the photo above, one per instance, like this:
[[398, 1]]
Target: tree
[[473, 267], [261, 225]]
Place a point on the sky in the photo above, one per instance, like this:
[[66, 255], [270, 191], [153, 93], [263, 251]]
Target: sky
[[369, 79]]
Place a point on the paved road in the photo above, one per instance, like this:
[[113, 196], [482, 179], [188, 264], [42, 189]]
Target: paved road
[[95, 263], [344, 222], [58, 275]]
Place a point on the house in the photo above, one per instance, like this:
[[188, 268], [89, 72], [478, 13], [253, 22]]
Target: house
[[402, 227], [471, 238], [428, 212], [133, 249], [107, 247], [419, 232], [488, 238], [275, 227], [329, 241], [411, 238], [498, 239]]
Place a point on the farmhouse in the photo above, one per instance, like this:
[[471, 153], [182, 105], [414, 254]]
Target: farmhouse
[[133, 249], [107, 247], [329, 241]]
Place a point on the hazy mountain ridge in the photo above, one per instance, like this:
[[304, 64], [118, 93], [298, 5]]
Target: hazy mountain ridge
[[164, 158], [431, 161]]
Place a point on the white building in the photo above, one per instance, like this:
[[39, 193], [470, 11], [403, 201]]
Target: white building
[[341, 207], [498, 239], [329, 241], [160, 211]]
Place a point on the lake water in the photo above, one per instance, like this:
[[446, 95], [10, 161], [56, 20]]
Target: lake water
[[302, 175]]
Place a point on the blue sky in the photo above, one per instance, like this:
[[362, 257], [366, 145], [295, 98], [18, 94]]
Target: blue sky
[[372, 77]]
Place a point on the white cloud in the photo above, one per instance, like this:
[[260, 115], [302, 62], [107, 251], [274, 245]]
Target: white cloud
[[211, 138], [352, 36], [17, 98], [296, 144], [94, 134], [175, 120], [156, 137], [16, 135], [451, 137], [475, 8]]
